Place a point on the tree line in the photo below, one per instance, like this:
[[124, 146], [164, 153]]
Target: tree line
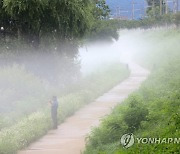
[[58, 21], [29, 21]]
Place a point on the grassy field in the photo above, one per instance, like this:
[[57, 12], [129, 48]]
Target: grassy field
[[37, 121], [21, 94], [154, 110]]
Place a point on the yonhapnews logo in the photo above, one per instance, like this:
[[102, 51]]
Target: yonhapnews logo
[[127, 140]]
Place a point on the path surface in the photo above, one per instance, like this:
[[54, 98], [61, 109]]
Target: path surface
[[69, 138]]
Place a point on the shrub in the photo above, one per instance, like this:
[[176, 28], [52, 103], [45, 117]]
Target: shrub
[[153, 111], [135, 114]]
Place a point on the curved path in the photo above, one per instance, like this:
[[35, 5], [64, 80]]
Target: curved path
[[70, 136]]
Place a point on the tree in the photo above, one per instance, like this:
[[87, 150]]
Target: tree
[[55, 21], [101, 11], [64, 19], [177, 19], [136, 113], [154, 7], [26, 18]]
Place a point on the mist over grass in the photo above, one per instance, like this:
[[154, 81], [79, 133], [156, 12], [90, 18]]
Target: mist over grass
[[153, 111], [29, 79], [97, 55], [32, 126]]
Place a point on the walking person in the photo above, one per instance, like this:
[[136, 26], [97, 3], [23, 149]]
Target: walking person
[[54, 108]]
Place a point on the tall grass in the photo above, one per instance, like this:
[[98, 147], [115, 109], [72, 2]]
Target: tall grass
[[21, 94], [33, 126], [154, 110]]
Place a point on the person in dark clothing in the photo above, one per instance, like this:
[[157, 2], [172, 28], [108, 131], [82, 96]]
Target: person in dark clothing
[[54, 107], [127, 66]]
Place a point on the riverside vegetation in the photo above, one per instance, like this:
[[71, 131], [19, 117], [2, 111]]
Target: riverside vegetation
[[39, 43], [37, 122], [47, 34], [152, 111]]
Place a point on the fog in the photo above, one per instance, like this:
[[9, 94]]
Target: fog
[[95, 56], [132, 45], [28, 80]]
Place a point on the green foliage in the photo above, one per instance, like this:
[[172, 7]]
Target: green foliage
[[125, 118], [148, 22], [18, 86], [104, 30], [33, 126], [153, 111], [177, 19], [135, 114], [59, 20], [63, 19], [101, 11], [24, 132], [154, 10]]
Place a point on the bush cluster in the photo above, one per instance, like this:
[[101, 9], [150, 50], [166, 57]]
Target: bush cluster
[[153, 111]]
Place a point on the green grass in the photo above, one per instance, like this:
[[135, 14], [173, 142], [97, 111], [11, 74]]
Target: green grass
[[153, 110], [35, 125], [21, 94]]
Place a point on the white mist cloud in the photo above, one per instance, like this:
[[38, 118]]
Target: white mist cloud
[[95, 56]]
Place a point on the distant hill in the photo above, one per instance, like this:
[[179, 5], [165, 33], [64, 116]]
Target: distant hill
[[125, 7]]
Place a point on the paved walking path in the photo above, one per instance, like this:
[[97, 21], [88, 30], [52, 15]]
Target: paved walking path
[[69, 138]]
